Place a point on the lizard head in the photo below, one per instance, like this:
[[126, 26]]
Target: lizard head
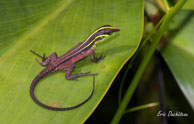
[[105, 31]]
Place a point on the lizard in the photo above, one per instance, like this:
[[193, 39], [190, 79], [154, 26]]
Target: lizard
[[66, 62]]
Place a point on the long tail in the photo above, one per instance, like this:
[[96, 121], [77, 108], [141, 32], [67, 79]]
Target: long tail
[[37, 79]]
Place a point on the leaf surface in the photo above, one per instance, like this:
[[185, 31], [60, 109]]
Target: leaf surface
[[48, 26], [179, 52]]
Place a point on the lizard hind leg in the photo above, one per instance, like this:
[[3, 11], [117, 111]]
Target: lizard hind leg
[[46, 60], [69, 67]]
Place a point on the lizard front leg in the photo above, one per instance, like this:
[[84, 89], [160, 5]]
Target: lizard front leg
[[46, 60], [94, 59], [69, 67]]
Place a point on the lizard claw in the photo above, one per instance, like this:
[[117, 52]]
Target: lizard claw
[[102, 56], [95, 74], [43, 57], [99, 59], [88, 73], [38, 61]]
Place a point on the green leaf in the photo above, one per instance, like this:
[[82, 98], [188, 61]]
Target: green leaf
[[179, 52], [56, 26]]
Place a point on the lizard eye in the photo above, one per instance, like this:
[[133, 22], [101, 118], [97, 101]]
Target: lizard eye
[[109, 33]]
